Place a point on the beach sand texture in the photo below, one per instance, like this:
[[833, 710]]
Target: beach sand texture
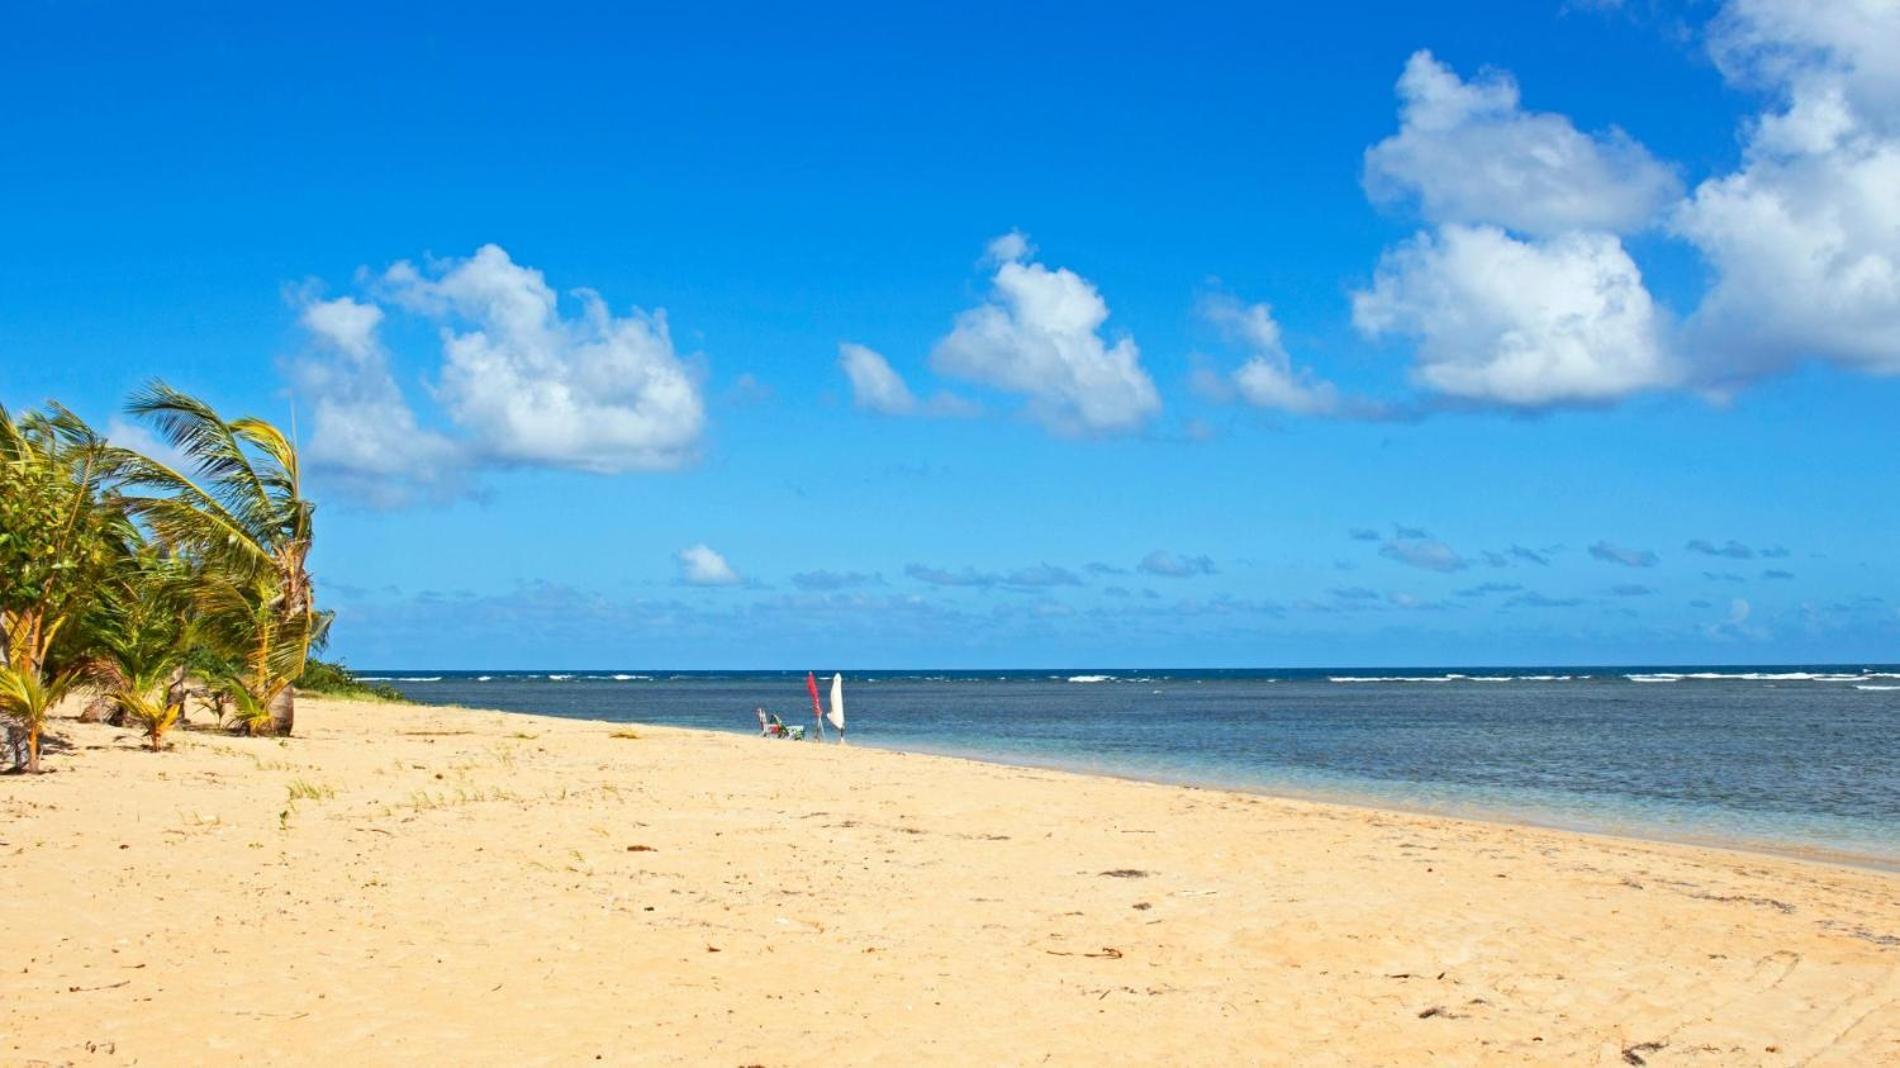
[[486, 888]]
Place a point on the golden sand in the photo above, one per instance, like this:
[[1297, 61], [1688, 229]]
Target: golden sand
[[407, 884]]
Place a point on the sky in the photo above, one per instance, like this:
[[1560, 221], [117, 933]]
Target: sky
[[992, 335]]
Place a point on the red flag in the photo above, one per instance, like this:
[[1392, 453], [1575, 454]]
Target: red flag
[[811, 683]]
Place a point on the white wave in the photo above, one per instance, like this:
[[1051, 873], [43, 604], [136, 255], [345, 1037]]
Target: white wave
[[1729, 676], [377, 678], [1753, 676], [484, 678], [1393, 678], [1871, 686], [559, 678], [422, 678], [1091, 678]]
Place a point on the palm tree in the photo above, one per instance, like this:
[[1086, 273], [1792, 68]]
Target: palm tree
[[141, 636], [240, 512], [27, 696], [61, 529], [267, 648]]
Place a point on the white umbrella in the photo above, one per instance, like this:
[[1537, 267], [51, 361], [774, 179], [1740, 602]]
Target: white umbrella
[[836, 713]]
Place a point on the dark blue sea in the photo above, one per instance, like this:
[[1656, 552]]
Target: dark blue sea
[[1791, 759]]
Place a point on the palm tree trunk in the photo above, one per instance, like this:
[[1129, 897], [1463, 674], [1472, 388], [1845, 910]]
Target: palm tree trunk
[[32, 749], [283, 711]]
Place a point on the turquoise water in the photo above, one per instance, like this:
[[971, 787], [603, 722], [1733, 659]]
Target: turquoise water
[[1802, 759]]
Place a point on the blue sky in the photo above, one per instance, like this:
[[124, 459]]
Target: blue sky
[[722, 336]]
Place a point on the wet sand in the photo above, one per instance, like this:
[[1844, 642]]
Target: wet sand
[[402, 884]]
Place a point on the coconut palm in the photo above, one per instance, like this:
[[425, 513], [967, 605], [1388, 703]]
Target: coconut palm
[[61, 529], [266, 647], [26, 697], [150, 710], [241, 514], [141, 636]]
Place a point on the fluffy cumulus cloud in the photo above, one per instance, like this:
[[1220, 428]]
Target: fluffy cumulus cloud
[[1497, 319], [1804, 238], [531, 385], [520, 382], [1467, 152], [1039, 335], [1268, 378], [700, 565], [362, 431], [1523, 294]]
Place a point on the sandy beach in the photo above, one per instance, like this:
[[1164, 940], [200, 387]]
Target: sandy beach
[[409, 884]]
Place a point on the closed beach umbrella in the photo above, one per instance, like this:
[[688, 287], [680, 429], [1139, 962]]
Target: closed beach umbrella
[[836, 715], [817, 711]]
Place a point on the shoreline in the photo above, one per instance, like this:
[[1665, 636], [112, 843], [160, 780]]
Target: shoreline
[[1497, 815], [1474, 813], [1373, 803], [417, 882]]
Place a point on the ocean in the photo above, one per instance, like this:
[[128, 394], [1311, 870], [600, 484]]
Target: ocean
[[1802, 760]]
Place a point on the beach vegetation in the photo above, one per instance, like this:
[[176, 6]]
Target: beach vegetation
[[26, 697], [335, 680], [240, 509], [152, 578], [304, 790]]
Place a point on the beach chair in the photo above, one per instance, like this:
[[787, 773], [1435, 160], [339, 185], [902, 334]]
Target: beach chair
[[770, 726]]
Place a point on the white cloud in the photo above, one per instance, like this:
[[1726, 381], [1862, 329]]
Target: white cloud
[[1037, 336], [1010, 247], [1522, 295], [874, 384], [362, 431], [593, 392], [1524, 323], [701, 566], [1804, 238], [1468, 153], [346, 325], [1268, 378]]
